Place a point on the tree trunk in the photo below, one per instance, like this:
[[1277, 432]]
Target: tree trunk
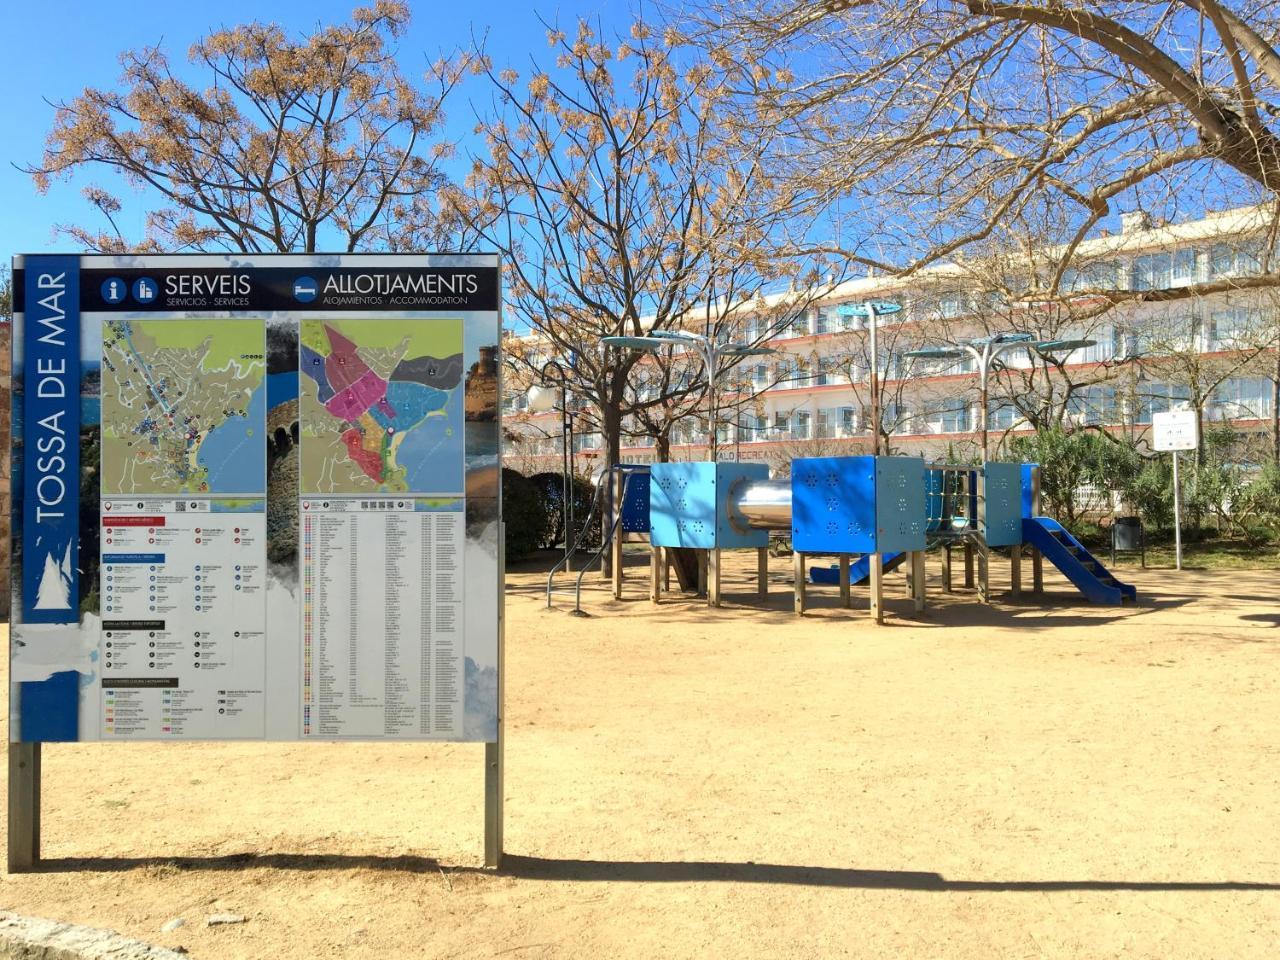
[[611, 428], [662, 447], [1275, 411]]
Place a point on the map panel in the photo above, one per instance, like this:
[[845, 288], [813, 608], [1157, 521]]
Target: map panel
[[382, 406], [183, 407]]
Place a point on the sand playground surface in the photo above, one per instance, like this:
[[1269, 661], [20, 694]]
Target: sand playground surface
[[1033, 779]]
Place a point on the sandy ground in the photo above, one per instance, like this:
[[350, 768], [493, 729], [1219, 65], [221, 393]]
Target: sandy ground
[[1042, 779]]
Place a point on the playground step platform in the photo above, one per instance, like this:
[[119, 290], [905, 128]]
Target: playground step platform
[[1079, 566]]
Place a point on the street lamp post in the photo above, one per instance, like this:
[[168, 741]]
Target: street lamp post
[[872, 309], [542, 400], [985, 350]]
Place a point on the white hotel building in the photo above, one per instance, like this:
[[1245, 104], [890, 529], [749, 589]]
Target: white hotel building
[[810, 397]]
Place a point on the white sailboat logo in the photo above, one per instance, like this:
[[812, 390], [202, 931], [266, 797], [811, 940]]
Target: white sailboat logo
[[54, 592]]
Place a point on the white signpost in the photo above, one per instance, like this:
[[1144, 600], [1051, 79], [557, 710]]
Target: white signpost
[[1175, 430]]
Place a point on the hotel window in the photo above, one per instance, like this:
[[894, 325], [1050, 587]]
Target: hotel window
[[800, 425], [1094, 406], [824, 428], [1002, 415], [1152, 272], [1184, 267], [1230, 328], [1235, 259], [1244, 398], [1159, 397], [953, 304], [950, 416], [848, 421]]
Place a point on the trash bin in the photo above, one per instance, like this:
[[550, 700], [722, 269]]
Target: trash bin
[[1127, 537]]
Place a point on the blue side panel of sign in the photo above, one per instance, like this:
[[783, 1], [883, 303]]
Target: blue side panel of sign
[[901, 522], [731, 477], [1028, 508], [49, 710], [635, 505], [51, 440], [1003, 489], [682, 505], [833, 505]]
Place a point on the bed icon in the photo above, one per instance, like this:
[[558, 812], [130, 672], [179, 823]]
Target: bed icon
[[304, 289]]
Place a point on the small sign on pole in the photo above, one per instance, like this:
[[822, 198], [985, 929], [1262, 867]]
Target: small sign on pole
[[1175, 430]]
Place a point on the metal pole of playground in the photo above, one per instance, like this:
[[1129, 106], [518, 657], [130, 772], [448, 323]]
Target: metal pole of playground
[[874, 385]]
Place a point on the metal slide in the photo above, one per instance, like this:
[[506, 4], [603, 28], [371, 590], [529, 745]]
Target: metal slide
[[859, 570], [1079, 566]]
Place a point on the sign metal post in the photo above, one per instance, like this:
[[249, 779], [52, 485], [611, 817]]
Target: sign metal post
[[1175, 430]]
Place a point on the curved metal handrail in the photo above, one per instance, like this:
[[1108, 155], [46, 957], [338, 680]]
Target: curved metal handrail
[[604, 543], [596, 501]]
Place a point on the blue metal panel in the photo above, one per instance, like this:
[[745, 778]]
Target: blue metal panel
[[635, 505], [1002, 526], [682, 505], [731, 477], [1028, 508], [833, 504], [901, 520]]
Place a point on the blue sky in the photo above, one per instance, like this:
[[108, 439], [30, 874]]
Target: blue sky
[[57, 48]]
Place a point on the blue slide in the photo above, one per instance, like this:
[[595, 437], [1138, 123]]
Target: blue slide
[[859, 570], [1078, 565]]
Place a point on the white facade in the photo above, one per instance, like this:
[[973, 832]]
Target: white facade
[[811, 399]]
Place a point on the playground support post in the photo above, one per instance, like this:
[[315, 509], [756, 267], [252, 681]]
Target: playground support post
[[762, 571], [946, 569], [845, 593], [713, 577], [1037, 561], [655, 573], [1177, 515], [877, 587], [1015, 570], [616, 488], [797, 563], [917, 580], [968, 565]]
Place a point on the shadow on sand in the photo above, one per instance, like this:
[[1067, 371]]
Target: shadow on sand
[[638, 871]]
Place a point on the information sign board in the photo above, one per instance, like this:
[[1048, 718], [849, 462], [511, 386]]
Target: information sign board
[[259, 498], [1175, 430]]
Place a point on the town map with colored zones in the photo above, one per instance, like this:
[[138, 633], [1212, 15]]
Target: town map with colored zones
[[184, 407], [381, 406]]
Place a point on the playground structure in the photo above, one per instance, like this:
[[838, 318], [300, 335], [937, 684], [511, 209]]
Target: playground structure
[[872, 514]]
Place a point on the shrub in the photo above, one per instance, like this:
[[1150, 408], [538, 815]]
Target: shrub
[[525, 511]]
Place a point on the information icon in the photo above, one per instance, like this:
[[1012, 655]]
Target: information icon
[[114, 289]]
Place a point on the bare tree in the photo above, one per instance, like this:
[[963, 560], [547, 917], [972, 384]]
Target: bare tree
[[621, 213], [294, 145], [1189, 351], [941, 124]]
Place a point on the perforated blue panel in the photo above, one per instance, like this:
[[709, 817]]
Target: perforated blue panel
[[1002, 526], [730, 478], [635, 506], [1028, 508], [900, 504], [682, 505], [833, 504]]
